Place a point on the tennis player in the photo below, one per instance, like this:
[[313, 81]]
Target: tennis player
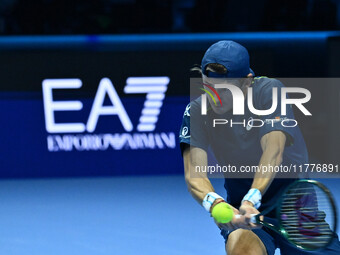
[[271, 144]]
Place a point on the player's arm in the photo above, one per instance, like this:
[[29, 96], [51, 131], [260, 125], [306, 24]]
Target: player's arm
[[272, 144], [200, 186]]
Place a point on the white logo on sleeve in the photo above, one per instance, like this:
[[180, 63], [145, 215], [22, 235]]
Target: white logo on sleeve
[[187, 113], [185, 131]]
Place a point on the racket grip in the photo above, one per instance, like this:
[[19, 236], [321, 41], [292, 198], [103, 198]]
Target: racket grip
[[252, 219]]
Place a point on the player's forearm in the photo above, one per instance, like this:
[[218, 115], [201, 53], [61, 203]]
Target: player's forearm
[[271, 157], [198, 187], [273, 145], [263, 179]]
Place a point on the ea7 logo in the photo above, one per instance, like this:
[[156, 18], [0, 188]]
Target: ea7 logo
[[153, 87], [238, 100]]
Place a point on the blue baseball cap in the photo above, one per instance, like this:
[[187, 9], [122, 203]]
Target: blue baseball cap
[[231, 55]]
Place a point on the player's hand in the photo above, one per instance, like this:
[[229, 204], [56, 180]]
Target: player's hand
[[247, 209], [235, 223], [238, 221]]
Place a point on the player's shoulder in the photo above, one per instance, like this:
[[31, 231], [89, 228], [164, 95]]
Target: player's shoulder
[[263, 87], [264, 82], [193, 106]]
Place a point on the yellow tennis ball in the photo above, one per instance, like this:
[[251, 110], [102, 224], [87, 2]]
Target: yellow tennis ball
[[222, 213]]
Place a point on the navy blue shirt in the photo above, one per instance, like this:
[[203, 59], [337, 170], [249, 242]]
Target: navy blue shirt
[[239, 145]]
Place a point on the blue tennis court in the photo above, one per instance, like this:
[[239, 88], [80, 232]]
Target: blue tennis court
[[121, 215]]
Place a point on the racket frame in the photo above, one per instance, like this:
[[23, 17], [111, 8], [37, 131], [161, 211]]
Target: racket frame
[[280, 229]]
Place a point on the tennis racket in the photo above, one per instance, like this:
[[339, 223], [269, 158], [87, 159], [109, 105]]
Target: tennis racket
[[306, 215]]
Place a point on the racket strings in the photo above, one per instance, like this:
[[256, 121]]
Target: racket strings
[[307, 216]]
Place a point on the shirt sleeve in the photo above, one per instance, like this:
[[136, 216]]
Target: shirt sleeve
[[192, 129], [276, 121]]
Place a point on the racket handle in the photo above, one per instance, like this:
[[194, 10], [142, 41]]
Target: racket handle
[[252, 219]]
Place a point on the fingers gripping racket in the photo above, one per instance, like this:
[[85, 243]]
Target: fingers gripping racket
[[306, 215]]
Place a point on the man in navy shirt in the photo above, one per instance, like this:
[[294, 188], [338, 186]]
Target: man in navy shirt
[[271, 141]]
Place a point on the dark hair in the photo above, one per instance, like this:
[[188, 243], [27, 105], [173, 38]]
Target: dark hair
[[212, 67], [221, 69], [216, 68]]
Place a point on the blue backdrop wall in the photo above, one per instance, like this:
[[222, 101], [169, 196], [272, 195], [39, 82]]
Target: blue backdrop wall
[[135, 88]]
